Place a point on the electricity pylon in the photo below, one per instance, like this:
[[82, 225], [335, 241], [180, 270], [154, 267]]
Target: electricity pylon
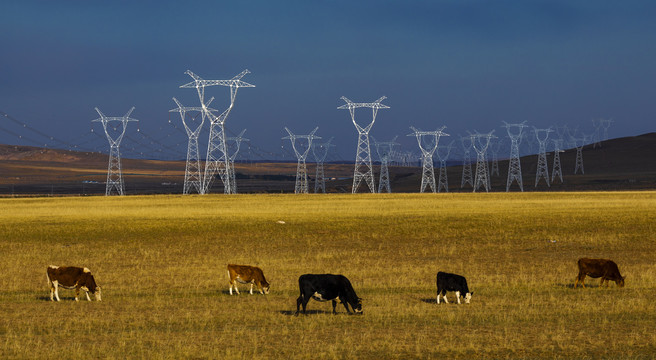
[[320, 151], [494, 148], [443, 181], [542, 135], [579, 144], [363, 167], [193, 180], [231, 170], [480, 143], [427, 148], [114, 174], [384, 150], [217, 160], [514, 164], [557, 170], [301, 185], [465, 141]]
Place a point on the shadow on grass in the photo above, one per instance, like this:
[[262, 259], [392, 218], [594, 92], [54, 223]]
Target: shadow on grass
[[308, 312], [571, 286], [429, 301]]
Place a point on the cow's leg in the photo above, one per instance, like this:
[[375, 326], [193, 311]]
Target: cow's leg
[[438, 295], [236, 289], [301, 301], [251, 288], [87, 294], [77, 293], [56, 285], [444, 296], [334, 306], [458, 297], [231, 288], [52, 291]]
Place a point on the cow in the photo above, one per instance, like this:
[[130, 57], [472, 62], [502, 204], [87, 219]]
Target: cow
[[452, 282], [246, 274], [324, 287], [71, 277], [594, 268]]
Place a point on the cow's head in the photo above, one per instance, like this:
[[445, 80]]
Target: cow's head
[[96, 293], [265, 286], [620, 282], [468, 297], [358, 306]]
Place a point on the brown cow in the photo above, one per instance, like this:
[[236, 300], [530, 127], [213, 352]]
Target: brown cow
[[594, 268], [247, 275], [71, 277]]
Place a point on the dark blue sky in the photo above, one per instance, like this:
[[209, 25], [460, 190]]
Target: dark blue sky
[[468, 65]]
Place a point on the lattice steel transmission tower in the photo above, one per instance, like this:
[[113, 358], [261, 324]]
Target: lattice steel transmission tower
[[114, 174], [427, 148], [579, 144], [320, 151], [480, 143], [384, 150], [301, 186], [605, 124], [514, 164], [542, 135], [363, 167], [494, 148], [557, 169], [467, 177], [443, 181], [217, 160], [231, 170], [193, 180]]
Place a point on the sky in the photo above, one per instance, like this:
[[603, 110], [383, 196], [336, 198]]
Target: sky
[[466, 65]]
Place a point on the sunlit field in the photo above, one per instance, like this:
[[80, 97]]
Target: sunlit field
[[161, 263]]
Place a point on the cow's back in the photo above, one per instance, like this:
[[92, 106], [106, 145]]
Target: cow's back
[[65, 275]]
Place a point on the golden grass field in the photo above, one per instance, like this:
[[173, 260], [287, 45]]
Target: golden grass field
[[161, 262]]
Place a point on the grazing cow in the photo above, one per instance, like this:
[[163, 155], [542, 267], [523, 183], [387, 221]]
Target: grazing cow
[[594, 268], [71, 277], [247, 275], [326, 287], [452, 282]]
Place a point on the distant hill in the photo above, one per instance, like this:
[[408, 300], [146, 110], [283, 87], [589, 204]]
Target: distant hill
[[618, 164]]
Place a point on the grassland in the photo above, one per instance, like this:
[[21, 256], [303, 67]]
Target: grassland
[[161, 263]]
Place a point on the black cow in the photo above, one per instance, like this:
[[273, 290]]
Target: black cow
[[324, 287], [452, 282]]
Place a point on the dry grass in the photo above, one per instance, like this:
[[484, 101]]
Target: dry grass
[[161, 262]]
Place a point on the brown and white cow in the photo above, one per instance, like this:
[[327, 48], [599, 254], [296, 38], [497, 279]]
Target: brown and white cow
[[246, 274], [594, 268], [72, 277]]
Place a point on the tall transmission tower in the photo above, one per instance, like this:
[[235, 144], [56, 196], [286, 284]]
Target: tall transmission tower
[[384, 150], [480, 143], [427, 148], [363, 167], [494, 148], [514, 165], [579, 143], [596, 135], [301, 186], [467, 177], [231, 170], [605, 123], [557, 169], [542, 135], [443, 181], [320, 151], [217, 160], [193, 180], [114, 174]]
